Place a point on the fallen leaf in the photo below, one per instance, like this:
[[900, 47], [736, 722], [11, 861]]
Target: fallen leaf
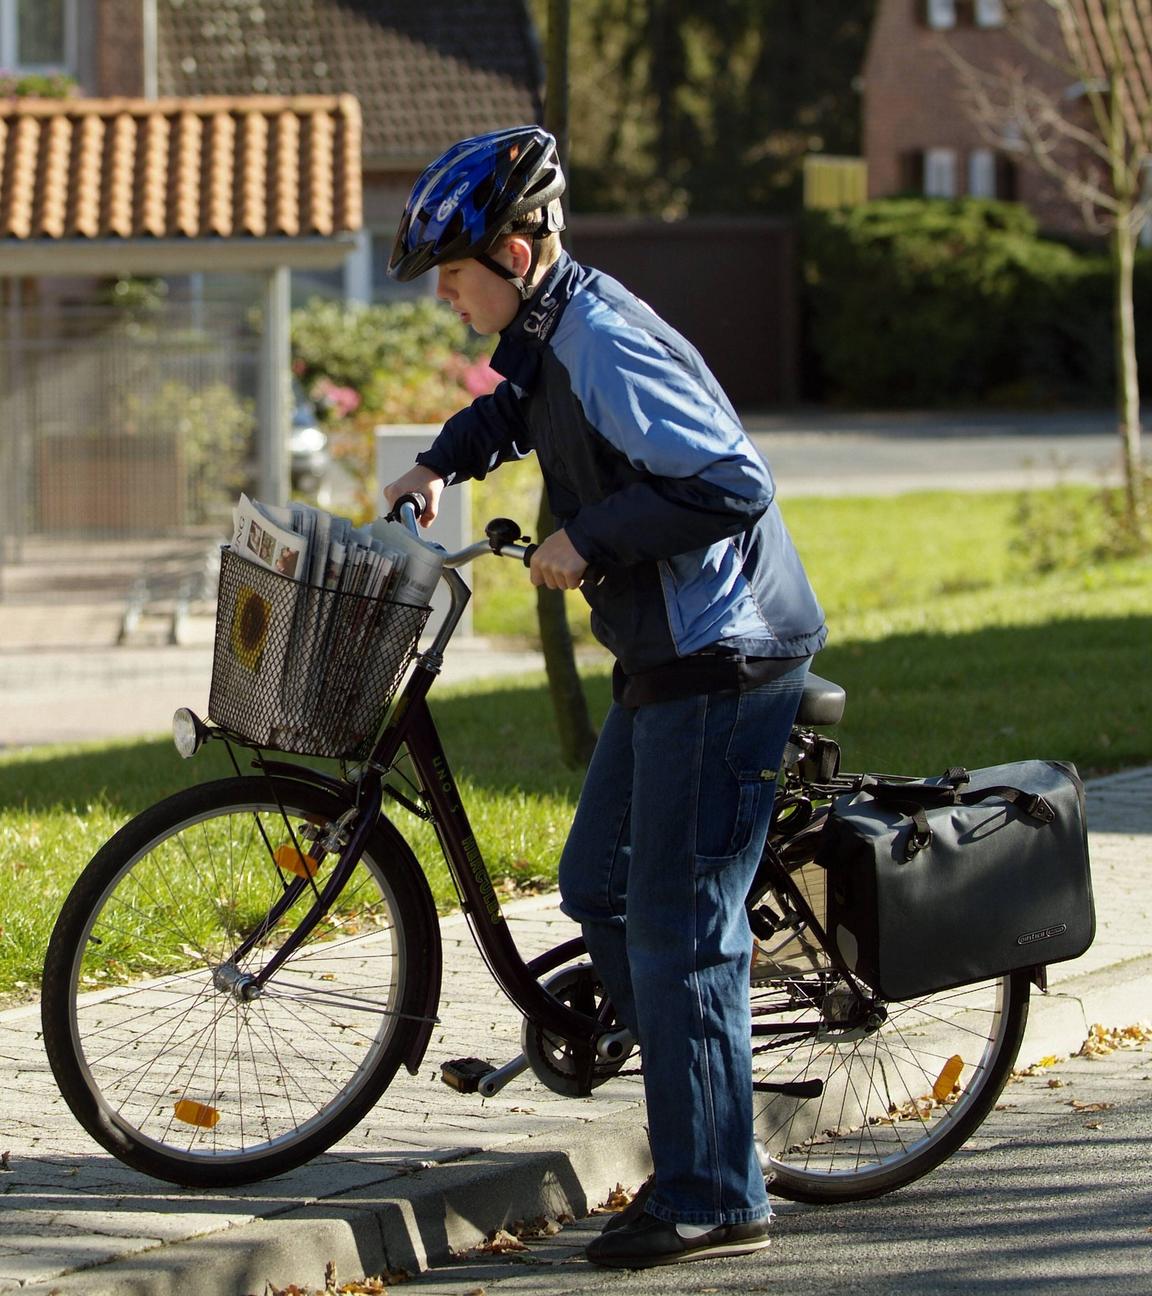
[[1054, 1082], [1079, 1106], [1096, 1125], [616, 1200], [500, 1243], [1037, 1068], [539, 1227], [1103, 1040]]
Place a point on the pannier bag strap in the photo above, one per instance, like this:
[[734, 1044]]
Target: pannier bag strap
[[912, 799]]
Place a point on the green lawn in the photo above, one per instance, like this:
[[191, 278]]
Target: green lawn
[[950, 652]]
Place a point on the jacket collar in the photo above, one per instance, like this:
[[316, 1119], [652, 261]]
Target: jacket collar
[[536, 320]]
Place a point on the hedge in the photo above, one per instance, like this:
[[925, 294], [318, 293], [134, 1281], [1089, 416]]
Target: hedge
[[921, 302]]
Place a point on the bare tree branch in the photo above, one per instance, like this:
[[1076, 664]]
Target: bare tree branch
[[1090, 130]]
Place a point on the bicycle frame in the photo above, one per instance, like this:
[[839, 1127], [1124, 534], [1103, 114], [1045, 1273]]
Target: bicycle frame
[[412, 727]]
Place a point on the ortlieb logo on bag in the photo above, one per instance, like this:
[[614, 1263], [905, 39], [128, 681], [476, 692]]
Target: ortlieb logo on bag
[[941, 882], [1030, 938]]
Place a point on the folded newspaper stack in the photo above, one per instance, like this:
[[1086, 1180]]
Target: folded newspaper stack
[[303, 642]]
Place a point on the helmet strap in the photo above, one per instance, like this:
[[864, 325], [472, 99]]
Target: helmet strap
[[522, 283]]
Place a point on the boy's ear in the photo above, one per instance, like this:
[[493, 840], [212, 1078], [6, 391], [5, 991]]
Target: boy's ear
[[519, 256]]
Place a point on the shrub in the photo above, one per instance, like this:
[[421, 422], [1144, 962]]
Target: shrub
[[405, 356], [405, 362], [913, 301]]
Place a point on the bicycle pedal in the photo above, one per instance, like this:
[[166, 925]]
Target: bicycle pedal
[[464, 1074]]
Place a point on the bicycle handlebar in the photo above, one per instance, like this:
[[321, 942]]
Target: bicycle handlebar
[[503, 537]]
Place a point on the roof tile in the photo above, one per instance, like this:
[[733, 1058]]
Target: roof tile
[[180, 168]]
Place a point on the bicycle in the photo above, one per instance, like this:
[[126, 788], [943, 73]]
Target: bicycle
[[241, 970]]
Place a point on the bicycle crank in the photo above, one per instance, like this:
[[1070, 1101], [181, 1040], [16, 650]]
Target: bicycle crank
[[574, 1070]]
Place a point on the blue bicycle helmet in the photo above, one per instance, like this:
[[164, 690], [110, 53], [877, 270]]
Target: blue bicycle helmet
[[461, 203]]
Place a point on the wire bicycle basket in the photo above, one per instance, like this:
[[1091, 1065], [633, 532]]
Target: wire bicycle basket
[[301, 669]]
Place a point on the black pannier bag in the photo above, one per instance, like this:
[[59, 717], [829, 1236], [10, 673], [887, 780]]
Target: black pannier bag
[[948, 881]]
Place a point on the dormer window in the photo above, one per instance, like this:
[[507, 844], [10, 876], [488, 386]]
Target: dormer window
[[37, 35]]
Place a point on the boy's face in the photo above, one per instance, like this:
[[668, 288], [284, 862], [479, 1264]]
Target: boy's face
[[477, 295]]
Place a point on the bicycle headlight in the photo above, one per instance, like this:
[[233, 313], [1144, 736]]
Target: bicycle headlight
[[188, 733]]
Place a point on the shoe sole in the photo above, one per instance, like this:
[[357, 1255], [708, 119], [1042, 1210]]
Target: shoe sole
[[718, 1252]]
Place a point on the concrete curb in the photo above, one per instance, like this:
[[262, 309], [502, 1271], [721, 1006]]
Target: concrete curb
[[1059, 1022], [407, 1224]]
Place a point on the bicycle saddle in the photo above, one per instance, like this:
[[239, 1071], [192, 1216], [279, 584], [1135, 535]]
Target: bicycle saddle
[[822, 702]]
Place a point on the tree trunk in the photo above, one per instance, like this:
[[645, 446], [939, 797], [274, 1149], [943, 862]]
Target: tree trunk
[[1127, 377], [577, 736]]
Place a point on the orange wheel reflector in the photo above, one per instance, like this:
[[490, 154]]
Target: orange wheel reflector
[[293, 860], [946, 1080], [197, 1113]]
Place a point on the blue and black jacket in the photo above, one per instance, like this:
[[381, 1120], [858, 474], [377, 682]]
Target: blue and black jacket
[[648, 470]]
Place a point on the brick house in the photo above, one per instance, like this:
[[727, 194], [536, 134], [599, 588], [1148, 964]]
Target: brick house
[[918, 134]]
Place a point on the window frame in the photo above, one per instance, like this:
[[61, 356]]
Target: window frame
[[10, 40], [937, 161], [989, 14], [940, 15], [983, 180]]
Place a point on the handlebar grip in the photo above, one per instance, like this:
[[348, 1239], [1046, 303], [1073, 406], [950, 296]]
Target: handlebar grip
[[593, 575], [418, 502]]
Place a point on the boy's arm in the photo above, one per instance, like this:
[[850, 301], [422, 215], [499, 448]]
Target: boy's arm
[[487, 433], [703, 480]]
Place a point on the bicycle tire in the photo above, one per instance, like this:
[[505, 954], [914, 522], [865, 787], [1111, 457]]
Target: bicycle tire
[[172, 1072], [890, 1108]]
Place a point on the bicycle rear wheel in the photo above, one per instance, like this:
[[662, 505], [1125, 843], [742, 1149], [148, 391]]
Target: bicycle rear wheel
[[852, 1104], [154, 1046]]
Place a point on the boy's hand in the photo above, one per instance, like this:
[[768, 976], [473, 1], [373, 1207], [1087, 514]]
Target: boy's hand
[[556, 563], [423, 481]]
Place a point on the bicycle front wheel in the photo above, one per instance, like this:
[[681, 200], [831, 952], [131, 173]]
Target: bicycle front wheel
[[853, 1104], [156, 1047]]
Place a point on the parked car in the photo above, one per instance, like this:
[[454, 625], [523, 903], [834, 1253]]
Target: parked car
[[308, 443]]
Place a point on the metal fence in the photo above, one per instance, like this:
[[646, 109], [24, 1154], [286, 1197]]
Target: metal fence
[[120, 426]]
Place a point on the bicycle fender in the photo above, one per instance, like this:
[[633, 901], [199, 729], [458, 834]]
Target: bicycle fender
[[434, 966]]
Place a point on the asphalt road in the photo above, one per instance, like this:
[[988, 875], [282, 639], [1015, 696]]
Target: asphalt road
[[1051, 1197], [887, 454]]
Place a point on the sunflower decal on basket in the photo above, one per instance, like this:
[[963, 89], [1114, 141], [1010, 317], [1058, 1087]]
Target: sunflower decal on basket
[[250, 623]]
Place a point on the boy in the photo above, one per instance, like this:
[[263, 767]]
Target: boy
[[708, 612]]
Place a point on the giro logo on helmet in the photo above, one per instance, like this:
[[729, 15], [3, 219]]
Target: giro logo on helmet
[[449, 205]]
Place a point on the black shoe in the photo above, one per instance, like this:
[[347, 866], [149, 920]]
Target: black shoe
[[630, 1212], [636, 1206], [645, 1242]]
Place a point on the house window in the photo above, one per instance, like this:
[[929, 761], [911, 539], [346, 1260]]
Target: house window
[[982, 173], [940, 173], [990, 13], [37, 35], [941, 14]]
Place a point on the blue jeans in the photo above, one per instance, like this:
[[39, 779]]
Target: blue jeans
[[665, 842]]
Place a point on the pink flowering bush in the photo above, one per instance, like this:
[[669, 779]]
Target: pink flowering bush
[[407, 362]]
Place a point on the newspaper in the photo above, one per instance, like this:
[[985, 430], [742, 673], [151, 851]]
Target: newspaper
[[306, 638]]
